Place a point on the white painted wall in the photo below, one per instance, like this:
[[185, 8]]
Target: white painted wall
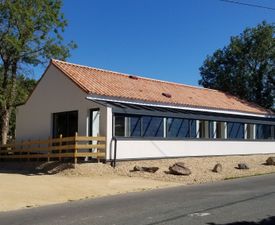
[[129, 149], [54, 93]]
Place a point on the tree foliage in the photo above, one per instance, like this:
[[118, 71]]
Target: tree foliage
[[245, 67], [30, 34]]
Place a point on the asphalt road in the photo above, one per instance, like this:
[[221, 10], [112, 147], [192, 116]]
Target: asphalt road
[[248, 201]]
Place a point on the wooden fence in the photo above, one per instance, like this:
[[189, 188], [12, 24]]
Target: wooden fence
[[56, 149]]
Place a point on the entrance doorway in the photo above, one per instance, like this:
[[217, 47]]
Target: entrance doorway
[[94, 127], [94, 122]]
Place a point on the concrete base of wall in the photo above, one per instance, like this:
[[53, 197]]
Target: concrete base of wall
[[146, 149]]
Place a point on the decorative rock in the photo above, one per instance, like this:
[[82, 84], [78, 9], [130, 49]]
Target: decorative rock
[[151, 169], [146, 169], [179, 170], [242, 166], [270, 161], [137, 168], [217, 168], [181, 164]]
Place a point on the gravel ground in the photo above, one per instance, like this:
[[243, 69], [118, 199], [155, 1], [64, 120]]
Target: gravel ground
[[43, 183], [201, 168]]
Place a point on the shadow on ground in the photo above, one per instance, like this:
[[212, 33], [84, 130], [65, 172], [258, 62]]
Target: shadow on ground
[[268, 221], [34, 168]]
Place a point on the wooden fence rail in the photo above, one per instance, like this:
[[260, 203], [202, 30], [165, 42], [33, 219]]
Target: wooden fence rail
[[56, 148]]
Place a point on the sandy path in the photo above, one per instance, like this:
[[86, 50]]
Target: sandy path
[[19, 191]]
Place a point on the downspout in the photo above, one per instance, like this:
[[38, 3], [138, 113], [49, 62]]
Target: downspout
[[113, 161]]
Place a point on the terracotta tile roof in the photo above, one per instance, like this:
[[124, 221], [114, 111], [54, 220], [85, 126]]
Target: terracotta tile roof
[[113, 84]]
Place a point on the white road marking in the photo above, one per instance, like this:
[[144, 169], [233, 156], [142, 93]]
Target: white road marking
[[199, 214]]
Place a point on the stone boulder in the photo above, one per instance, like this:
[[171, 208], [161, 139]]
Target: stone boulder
[[181, 164], [179, 169], [217, 168], [242, 166], [270, 161], [146, 169]]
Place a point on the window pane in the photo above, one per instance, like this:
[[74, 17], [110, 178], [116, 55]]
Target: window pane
[[59, 124], [235, 130], [263, 131], [120, 126], [135, 126], [250, 131], [220, 130], [72, 123], [267, 132], [204, 129], [173, 127], [193, 129], [177, 127], [259, 131], [185, 129], [65, 123], [211, 129], [152, 126]]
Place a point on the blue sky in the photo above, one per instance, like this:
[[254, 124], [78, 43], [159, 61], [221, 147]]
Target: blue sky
[[161, 39]]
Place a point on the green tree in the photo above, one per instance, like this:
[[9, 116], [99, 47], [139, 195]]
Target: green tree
[[245, 68], [30, 34]]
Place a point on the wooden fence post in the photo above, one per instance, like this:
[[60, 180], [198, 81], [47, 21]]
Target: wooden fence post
[[38, 147], [75, 149], [60, 144], [21, 147], [28, 152], [49, 148], [98, 151]]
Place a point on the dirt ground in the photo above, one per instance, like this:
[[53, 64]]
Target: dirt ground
[[34, 184], [23, 191]]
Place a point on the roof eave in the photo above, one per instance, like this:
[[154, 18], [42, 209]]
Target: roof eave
[[185, 107]]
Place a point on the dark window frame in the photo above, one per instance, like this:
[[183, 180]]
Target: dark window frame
[[65, 114]]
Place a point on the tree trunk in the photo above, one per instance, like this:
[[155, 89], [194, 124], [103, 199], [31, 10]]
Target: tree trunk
[[5, 125], [9, 102]]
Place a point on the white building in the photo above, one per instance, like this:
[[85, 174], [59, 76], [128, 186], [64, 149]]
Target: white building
[[148, 118]]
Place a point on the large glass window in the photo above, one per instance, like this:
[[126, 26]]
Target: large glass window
[[235, 130], [178, 128], [181, 128], [120, 126], [135, 126], [152, 126], [264, 131], [65, 123]]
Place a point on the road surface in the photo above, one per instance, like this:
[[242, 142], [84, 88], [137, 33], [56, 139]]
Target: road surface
[[247, 201]]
